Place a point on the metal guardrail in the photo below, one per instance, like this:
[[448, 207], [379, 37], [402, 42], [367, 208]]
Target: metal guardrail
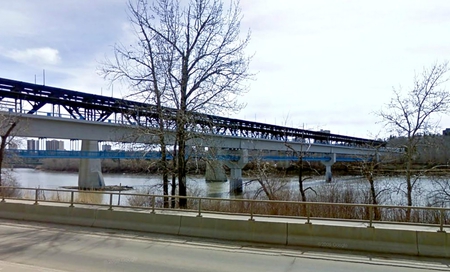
[[369, 214]]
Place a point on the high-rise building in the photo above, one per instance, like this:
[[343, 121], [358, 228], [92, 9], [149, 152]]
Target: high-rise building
[[106, 147], [54, 145], [32, 145]]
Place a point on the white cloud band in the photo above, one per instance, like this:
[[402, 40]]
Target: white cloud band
[[35, 56]]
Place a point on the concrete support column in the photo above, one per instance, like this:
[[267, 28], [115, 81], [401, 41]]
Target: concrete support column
[[236, 166], [214, 168], [90, 170], [236, 180], [328, 164], [215, 172]]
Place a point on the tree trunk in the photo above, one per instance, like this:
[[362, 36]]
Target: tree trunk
[[300, 179], [174, 176], [2, 152], [182, 191], [4, 139], [373, 196], [409, 186], [181, 130], [165, 174]]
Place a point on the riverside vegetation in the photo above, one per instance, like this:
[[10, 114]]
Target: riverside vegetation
[[278, 182], [273, 181]]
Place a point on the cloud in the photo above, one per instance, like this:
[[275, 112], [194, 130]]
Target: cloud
[[35, 56]]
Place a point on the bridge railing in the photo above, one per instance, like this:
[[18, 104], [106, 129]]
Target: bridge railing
[[436, 217]]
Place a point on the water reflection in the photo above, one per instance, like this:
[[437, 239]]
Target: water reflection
[[198, 187], [32, 178]]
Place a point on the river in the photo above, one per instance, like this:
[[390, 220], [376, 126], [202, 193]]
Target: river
[[197, 185], [32, 178]]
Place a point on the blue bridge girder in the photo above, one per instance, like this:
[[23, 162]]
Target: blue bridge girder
[[154, 155], [28, 99]]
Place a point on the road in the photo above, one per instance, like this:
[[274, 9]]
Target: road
[[47, 247]]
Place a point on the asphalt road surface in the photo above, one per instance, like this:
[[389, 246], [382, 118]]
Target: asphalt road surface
[[28, 246]]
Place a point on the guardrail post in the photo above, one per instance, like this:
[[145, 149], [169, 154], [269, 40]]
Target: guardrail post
[[308, 219], [36, 196], [441, 221], [110, 201], [199, 208], [71, 199], [251, 211], [370, 217], [153, 204]]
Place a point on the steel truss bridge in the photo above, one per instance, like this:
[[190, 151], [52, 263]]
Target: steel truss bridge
[[28, 98]]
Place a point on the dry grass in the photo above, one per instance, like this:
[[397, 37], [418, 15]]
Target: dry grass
[[9, 183], [62, 196], [89, 198], [316, 208], [142, 200]]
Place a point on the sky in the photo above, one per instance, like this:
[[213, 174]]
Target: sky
[[323, 64]]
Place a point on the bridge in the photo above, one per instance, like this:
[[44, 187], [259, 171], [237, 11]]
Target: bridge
[[92, 118], [152, 155]]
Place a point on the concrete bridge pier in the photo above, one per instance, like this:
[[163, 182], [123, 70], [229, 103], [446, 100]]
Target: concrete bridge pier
[[214, 168], [328, 164], [236, 169], [215, 172], [90, 171]]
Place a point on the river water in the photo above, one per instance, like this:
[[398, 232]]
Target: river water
[[32, 178], [197, 185]]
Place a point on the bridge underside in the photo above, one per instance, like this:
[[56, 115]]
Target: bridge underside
[[61, 128]]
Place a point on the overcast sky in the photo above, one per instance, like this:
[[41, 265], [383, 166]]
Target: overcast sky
[[322, 64]]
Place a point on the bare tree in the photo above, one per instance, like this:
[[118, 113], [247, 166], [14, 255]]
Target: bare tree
[[300, 164], [410, 115], [189, 57], [440, 194], [272, 184], [368, 167], [300, 154], [7, 127]]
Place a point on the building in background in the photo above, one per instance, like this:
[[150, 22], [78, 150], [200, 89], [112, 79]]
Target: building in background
[[106, 147], [32, 145], [54, 145]]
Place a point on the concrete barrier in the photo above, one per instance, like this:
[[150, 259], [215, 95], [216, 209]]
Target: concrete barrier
[[235, 230], [13, 211], [138, 221], [324, 236], [395, 241], [408, 242], [353, 238], [45, 213], [433, 244]]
